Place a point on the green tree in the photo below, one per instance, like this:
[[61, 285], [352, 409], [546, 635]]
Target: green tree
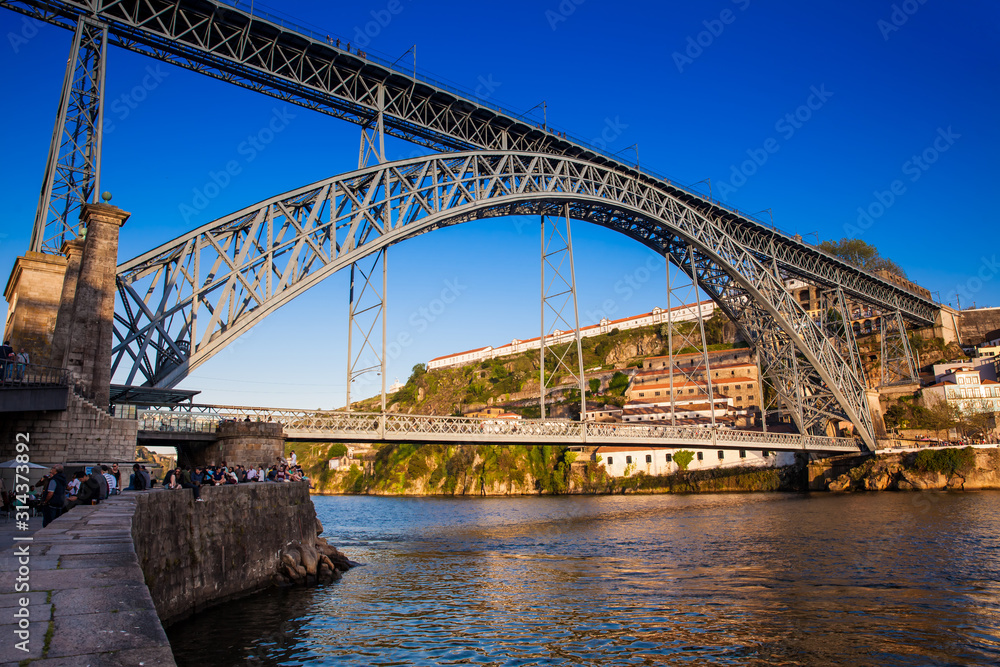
[[595, 385], [683, 458], [861, 254], [618, 384], [939, 415], [896, 416]]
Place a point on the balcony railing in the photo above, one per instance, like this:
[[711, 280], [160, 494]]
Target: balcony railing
[[15, 375]]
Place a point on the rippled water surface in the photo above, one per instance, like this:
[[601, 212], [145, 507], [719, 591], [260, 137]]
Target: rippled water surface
[[887, 579]]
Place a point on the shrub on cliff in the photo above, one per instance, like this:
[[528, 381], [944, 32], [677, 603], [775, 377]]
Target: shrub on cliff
[[683, 459], [945, 461]]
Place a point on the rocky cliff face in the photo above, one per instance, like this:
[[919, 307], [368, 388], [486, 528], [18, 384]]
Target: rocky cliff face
[[977, 470], [623, 351]]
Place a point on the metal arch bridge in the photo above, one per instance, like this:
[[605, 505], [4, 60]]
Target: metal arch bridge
[[265, 255], [173, 423], [274, 57], [186, 300]]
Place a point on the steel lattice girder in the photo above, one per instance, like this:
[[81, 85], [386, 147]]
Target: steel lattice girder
[[184, 301], [287, 63], [72, 171]]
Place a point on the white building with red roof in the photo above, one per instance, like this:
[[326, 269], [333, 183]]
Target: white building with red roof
[[965, 388], [683, 313]]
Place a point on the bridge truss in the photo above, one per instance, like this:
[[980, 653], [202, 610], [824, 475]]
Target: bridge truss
[[271, 56], [183, 302]]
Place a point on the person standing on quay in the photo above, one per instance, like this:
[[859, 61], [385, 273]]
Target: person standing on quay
[[55, 495]]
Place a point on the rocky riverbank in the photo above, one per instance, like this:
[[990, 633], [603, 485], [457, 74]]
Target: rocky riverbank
[[965, 469]]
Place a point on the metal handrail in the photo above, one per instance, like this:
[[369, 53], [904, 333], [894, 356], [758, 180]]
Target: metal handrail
[[17, 375]]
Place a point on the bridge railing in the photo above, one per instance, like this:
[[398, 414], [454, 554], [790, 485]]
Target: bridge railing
[[399, 427], [15, 375]]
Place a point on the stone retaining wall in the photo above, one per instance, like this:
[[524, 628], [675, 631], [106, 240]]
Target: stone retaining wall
[[195, 555], [105, 579]]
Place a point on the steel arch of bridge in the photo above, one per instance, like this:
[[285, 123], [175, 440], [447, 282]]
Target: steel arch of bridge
[[270, 56], [181, 303]]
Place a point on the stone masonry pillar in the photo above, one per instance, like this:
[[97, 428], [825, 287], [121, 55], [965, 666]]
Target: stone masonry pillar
[[92, 327], [73, 251], [32, 295]]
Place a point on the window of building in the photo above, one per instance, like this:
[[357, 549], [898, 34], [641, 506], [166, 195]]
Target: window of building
[[628, 460], [722, 455], [657, 394], [670, 458], [739, 399], [611, 460], [701, 456], [649, 458], [765, 453], [737, 386], [743, 453]]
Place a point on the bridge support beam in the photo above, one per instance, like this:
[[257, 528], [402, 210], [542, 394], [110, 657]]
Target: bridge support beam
[[73, 170], [898, 364], [367, 307], [558, 290], [679, 294]]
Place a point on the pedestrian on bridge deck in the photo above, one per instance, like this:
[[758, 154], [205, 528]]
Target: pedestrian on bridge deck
[[6, 360]]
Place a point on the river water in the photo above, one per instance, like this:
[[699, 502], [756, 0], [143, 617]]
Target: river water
[[741, 579]]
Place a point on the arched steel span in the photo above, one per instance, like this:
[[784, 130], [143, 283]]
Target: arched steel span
[[181, 303], [268, 55]]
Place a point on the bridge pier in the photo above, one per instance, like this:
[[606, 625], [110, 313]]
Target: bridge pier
[[61, 310], [246, 443], [33, 303]]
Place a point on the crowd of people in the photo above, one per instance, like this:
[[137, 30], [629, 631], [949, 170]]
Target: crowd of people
[[195, 477], [57, 495]]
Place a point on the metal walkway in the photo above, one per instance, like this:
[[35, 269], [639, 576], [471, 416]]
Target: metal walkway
[[375, 427]]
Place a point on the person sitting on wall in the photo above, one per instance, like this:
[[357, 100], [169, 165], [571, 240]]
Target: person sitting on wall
[[187, 483], [136, 481], [72, 487], [102, 481], [89, 492], [146, 476], [172, 479], [112, 483]]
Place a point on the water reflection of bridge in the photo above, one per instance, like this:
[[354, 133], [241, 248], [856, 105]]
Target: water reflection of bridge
[[199, 422]]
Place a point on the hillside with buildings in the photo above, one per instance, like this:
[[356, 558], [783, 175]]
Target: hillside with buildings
[[618, 356]]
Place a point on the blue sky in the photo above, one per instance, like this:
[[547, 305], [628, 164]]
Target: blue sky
[[813, 110]]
